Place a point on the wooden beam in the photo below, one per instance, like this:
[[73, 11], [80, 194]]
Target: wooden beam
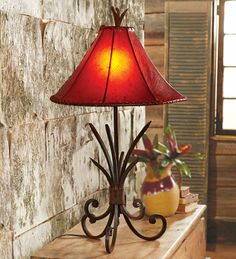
[[223, 202], [156, 54], [221, 171], [154, 6], [154, 29], [155, 114], [223, 146], [221, 230]]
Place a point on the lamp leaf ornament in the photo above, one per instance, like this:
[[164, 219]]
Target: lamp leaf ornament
[[117, 16]]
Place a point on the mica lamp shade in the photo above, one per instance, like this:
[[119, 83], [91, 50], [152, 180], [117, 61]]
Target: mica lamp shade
[[116, 71]]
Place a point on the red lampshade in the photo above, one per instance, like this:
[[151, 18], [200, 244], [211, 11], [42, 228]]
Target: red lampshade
[[116, 71]]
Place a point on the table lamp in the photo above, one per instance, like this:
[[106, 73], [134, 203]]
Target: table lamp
[[116, 71]]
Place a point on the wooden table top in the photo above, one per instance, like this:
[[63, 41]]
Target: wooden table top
[[127, 245]]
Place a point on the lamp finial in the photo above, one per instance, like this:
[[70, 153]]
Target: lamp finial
[[118, 17]]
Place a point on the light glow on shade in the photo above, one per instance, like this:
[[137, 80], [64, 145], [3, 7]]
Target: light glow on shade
[[121, 64]]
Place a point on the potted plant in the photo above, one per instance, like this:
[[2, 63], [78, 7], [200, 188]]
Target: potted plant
[[160, 192]]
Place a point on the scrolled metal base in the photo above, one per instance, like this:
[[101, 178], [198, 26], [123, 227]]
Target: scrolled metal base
[[116, 175], [113, 213]]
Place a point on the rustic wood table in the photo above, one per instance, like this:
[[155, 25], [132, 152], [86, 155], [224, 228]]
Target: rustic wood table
[[184, 239]]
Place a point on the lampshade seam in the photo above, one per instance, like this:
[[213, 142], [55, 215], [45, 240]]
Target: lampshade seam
[[144, 79], [109, 68]]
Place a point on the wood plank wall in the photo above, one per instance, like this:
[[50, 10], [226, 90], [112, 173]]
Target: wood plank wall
[[222, 190], [154, 45]]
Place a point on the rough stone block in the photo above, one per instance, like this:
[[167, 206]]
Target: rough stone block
[[5, 243], [28, 176], [51, 229], [135, 17], [21, 69], [86, 175], [36, 59], [64, 46], [138, 123], [44, 233], [27, 7], [42, 171], [104, 118], [78, 12], [60, 149], [126, 137], [125, 129], [5, 184]]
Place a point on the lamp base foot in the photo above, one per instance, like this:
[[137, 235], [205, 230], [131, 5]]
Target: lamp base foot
[[113, 213]]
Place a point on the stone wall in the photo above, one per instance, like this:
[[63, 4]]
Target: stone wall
[[45, 171]]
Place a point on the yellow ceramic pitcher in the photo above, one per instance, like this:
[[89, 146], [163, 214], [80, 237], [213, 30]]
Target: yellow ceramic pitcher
[[160, 194]]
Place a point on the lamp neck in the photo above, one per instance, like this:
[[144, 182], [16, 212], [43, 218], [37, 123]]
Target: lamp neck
[[116, 135]]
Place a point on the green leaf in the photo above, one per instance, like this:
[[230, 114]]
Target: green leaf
[[182, 166], [155, 142], [199, 156], [163, 148], [157, 152], [171, 140], [169, 130], [165, 163]]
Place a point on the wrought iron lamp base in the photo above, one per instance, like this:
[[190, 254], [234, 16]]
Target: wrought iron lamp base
[[116, 175]]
